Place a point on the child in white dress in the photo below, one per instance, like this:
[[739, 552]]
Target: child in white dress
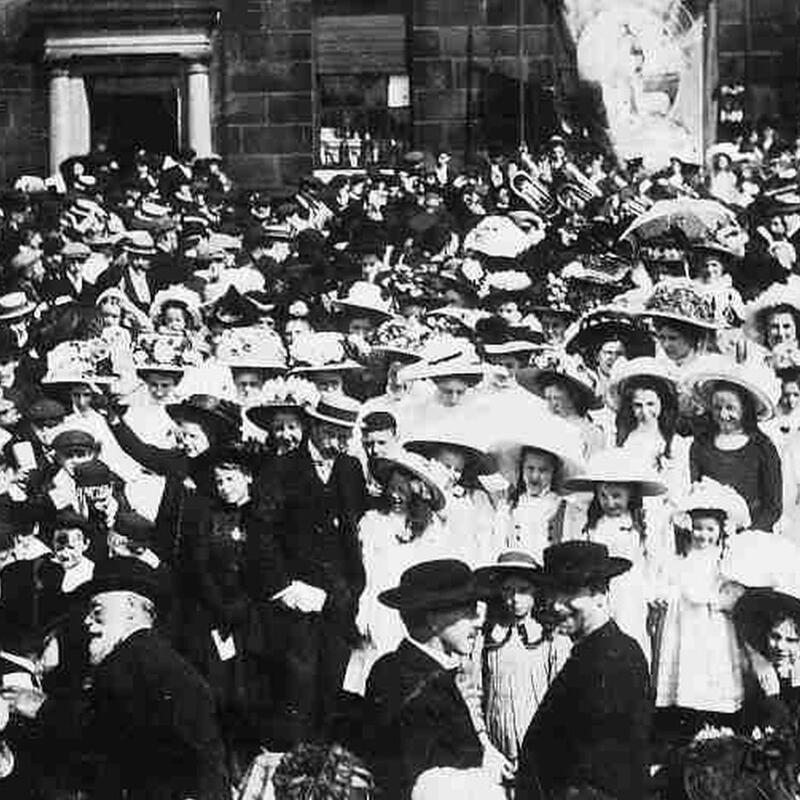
[[698, 671]]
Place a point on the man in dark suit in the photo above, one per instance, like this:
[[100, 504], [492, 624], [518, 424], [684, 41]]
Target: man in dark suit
[[145, 729], [416, 717], [592, 728]]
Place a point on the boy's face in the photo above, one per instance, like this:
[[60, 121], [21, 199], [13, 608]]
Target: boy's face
[[69, 546]]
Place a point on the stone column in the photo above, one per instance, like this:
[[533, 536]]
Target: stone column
[[60, 120], [81, 142], [199, 108]]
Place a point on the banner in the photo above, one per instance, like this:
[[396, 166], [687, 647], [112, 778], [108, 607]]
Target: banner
[[647, 58]]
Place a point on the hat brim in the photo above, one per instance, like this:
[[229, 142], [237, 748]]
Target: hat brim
[[702, 383], [384, 466], [208, 420], [345, 366], [260, 365], [346, 306], [397, 353], [471, 373], [405, 599], [483, 462], [535, 380], [666, 316], [167, 369], [636, 342], [495, 573], [512, 348], [589, 482], [22, 311], [261, 416], [314, 414], [611, 567], [757, 607]]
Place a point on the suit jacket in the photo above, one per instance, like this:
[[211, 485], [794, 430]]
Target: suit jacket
[[416, 719], [593, 726], [146, 727]]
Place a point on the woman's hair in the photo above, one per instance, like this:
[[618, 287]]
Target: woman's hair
[[749, 415], [519, 488], [667, 419], [420, 506], [319, 772], [683, 536], [635, 509]]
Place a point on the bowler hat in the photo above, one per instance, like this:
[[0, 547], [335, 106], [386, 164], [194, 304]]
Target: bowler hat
[[45, 409], [444, 583], [74, 438], [574, 564], [125, 575], [94, 473], [134, 527], [67, 519]]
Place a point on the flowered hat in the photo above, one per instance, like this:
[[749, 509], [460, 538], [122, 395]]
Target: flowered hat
[[682, 300], [604, 324], [77, 361], [364, 298], [710, 495], [616, 465], [399, 339], [282, 394], [180, 296], [253, 347], [320, 351], [157, 352], [759, 382]]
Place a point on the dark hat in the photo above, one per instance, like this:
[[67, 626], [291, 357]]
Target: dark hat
[[45, 409], [233, 309], [758, 609], [433, 584], [236, 454], [125, 575], [134, 527], [218, 416], [575, 564], [378, 421], [69, 520], [74, 438], [93, 473]]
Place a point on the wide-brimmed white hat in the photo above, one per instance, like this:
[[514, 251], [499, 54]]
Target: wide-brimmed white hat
[[251, 348], [320, 351], [415, 465], [181, 296], [710, 495], [445, 357], [776, 296], [623, 371], [759, 382], [365, 298], [616, 465]]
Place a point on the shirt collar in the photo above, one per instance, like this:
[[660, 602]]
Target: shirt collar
[[445, 661]]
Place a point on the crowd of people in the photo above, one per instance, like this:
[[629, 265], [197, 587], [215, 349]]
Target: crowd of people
[[479, 478]]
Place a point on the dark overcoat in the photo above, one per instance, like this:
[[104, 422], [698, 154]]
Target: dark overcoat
[[146, 728], [417, 719], [593, 726]]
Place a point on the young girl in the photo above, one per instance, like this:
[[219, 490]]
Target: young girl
[[520, 657], [698, 669], [734, 451], [616, 518]]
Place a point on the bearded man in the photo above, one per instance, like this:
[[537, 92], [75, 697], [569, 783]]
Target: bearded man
[[145, 728]]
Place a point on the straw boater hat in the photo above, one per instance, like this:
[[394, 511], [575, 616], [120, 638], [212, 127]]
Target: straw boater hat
[[710, 495], [180, 296], [575, 564], [336, 410], [282, 394], [434, 584], [251, 348], [616, 465], [139, 243], [15, 305], [654, 369], [446, 357], [429, 444], [760, 383], [684, 301], [317, 352], [365, 299], [511, 562], [414, 465], [499, 338], [779, 295]]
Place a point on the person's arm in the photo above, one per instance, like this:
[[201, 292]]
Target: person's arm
[[771, 486], [156, 459]]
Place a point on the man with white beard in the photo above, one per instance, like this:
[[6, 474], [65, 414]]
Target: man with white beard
[[146, 723]]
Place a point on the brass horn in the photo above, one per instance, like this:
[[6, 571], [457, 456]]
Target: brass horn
[[535, 193]]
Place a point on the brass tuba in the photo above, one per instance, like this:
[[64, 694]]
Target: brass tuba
[[535, 193]]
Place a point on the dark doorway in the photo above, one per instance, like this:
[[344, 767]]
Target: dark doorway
[[132, 121]]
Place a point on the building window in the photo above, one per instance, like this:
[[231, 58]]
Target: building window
[[363, 91]]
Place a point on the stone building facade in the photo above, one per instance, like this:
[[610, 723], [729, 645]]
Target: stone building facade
[[279, 87]]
